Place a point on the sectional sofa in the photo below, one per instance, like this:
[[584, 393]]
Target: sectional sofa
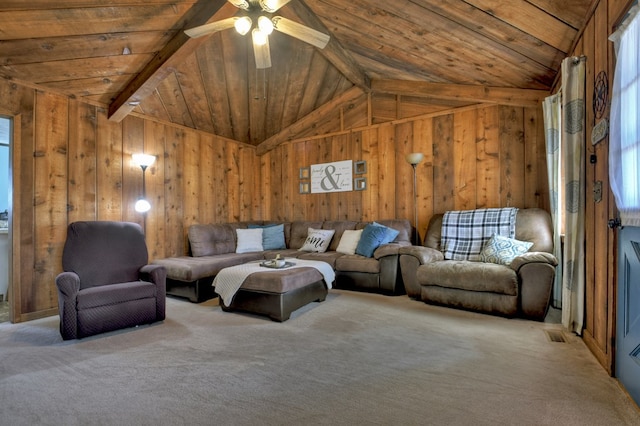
[[216, 246]]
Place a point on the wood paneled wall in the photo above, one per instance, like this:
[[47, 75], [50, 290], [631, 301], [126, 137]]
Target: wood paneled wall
[[480, 156], [601, 242], [70, 163]]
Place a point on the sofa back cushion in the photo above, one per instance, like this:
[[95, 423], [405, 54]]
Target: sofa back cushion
[[533, 225], [206, 240], [339, 226], [299, 232]]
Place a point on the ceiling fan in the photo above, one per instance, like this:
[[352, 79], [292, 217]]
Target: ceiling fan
[[258, 19]]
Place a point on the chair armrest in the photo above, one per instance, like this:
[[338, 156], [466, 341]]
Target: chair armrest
[[533, 257], [411, 258], [423, 254], [68, 284], [536, 284], [156, 274]]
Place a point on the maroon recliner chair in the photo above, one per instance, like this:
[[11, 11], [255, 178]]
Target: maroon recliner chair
[[107, 284]]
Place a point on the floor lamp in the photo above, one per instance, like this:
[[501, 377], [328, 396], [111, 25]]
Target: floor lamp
[[144, 161], [414, 159]]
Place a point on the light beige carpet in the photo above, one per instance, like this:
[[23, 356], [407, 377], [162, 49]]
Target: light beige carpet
[[356, 358]]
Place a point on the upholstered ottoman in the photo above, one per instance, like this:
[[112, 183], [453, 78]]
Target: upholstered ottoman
[[278, 293]]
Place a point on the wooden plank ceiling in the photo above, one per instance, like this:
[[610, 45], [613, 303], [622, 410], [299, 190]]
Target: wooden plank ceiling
[[132, 55]]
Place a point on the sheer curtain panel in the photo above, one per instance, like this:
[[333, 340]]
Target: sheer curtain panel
[[624, 141]]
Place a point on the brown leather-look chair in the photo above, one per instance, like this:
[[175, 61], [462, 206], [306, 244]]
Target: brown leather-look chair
[[107, 284]]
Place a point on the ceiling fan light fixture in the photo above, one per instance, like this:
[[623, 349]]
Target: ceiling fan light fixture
[[259, 37], [243, 25], [265, 25]]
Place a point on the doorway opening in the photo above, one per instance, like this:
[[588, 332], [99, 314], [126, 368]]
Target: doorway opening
[[5, 208]]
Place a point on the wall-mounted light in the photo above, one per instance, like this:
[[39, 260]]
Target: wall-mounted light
[[414, 159], [144, 161]]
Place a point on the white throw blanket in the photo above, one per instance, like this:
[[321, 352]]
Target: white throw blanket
[[230, 279]]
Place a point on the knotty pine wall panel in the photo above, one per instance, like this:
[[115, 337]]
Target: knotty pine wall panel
[[75, 164], [51, 198], [71, 163], [486, 156]]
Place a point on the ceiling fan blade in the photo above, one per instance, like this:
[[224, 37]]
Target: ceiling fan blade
[[261, 52], [240, 4], [211, 28], [301, 32], [271, 6]]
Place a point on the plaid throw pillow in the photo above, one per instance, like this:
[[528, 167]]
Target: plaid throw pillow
[[465, 232]]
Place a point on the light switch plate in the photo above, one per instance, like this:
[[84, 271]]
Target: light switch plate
[[597, 191]]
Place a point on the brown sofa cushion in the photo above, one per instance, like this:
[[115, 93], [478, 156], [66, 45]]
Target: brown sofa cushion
[[299, 232], [207, 240], [357, 263], [472, 276]]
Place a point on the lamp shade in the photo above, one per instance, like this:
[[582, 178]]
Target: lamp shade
[[142, 206], [414, 158], [144, 160], [243, 25], [259, 38], [265, 25]]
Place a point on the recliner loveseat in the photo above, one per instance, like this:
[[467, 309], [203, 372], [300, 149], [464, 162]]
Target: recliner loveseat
[[521, 288]]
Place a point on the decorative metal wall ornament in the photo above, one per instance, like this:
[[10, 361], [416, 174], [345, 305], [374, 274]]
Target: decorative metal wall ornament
[[600, 94]]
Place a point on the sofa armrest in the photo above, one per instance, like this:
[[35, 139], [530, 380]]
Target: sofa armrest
[[423, 254], [533, 257], [68, 284], [390, 249], [157, 274]]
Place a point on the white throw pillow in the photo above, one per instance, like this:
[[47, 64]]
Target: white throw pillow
[[318, 240], [349, 241], [249, 240], [502, 250]]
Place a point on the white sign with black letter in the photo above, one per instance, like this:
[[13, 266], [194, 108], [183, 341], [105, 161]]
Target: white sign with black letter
[[332, 177]]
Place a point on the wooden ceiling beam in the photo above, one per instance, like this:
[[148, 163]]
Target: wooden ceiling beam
[[461, 92], [308, 120], [171, 55], [337, 55]]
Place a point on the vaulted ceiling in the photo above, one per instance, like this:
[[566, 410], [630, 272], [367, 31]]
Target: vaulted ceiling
[[133, 56]]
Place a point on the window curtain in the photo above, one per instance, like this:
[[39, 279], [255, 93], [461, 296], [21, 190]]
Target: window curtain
[[624, 141], [573, 141], [552, 121]]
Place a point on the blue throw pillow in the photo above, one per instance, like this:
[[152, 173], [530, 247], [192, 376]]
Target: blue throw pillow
[[390, 235], [272, 236], [371, 238]]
